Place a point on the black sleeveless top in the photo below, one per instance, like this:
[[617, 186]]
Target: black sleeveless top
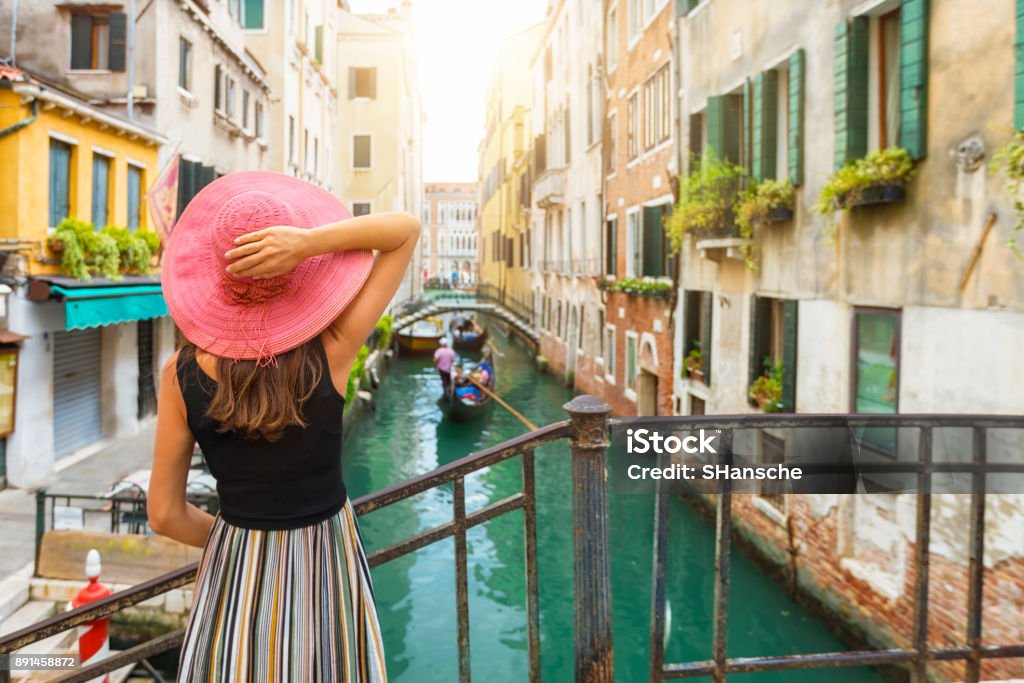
[[290, 483]]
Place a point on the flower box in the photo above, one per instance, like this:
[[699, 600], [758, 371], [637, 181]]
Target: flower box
[[891, 193], [779, 214]]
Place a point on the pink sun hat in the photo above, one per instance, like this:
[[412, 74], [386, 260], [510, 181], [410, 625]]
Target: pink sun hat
[[238, 317]]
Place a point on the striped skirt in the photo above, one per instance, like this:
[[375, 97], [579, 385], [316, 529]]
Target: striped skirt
[[292, 605]]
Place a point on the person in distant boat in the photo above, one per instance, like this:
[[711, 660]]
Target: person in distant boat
[[444, 357]]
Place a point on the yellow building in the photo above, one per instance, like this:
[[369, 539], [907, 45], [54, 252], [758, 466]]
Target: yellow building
[[60, 157], [85, 352], [505, 174]]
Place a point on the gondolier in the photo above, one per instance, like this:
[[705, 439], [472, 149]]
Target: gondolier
[[444, 357]]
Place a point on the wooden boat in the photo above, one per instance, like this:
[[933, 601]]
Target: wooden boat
[[421, 337], [471, 336], [468, 407]]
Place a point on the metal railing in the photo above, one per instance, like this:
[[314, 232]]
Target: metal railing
[[588, 431], [490, 293]]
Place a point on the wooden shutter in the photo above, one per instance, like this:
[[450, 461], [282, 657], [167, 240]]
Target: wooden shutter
[[706, 299], [1018, 112], [696, 137], [118, 49], [653, 241], [753, 362], [60, 181], [723, 125], [851, 90], [81, 41], [746, 138], [914, 77], [797, 70], [204, 176], [789, 341], [186, 182], [610, 246], [766, 89]]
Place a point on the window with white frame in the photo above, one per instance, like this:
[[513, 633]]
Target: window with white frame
[[635, 20], [657, 106], [634, 246]]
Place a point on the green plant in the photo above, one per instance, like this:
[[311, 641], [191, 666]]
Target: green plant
[[384, 328], [753, 207], [135, 252], [891, 166], [86, 252], [694, 361], [766, 390], [1010, 162], [355, 375], [637, 286], [705, 197]]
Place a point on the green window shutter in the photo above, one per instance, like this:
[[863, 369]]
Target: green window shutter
[[706, 299], [118, 48], [1018, 112], [697, 134], [253, 14], [724, 114], [753, 362], [715, 119], [789, 340], [100, 190], [766, 118], [746, 139], [851, 90], [797, 70], [60, 181], [81, 41], [914, 77], [653, 242]]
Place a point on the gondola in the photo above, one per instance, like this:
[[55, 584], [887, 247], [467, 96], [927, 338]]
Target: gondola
[[474, 402], [469, 336], [421, 337]]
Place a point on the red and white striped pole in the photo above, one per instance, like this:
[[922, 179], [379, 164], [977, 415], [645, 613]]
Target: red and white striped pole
[[93, 638]]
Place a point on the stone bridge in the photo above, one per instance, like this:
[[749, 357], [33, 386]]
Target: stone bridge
[[470, 304]]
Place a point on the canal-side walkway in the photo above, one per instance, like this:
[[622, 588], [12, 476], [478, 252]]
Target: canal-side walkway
[[89, 475]]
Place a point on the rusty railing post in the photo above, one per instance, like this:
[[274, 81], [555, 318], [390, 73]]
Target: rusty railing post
[[592, 594]]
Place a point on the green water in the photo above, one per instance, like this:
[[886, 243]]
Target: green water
[[408, 436]]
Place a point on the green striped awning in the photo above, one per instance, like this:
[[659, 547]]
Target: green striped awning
[[98, 306]]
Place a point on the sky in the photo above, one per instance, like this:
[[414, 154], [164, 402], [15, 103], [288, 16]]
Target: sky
[[456, 44]]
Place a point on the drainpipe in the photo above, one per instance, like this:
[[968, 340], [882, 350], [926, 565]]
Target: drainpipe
[[14, 33], [131, 62], [24, 122]]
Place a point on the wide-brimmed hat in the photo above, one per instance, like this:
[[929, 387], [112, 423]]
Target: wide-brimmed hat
[[239, 317]]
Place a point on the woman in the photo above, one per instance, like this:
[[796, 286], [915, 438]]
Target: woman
[[275, 287]]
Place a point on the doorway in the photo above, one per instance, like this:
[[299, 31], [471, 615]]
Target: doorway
[[647, 393]]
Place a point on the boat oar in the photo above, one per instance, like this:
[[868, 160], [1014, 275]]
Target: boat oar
[[529, 425]]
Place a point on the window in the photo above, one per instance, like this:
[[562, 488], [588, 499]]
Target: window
[[876, 370], [611, 244], [291, 140], [697, 335], [635, 20], [292, 15], [229, 96], [612, 48], [773, 452], [60, 181], [631, 340], [632, 135], [657, 103], [362, 82], [184, 64], [612, 144], [318, 44], [361, 152], [259, 119], [773, 332], [99, 41], [253, 17], [634, 253], [601, 332], [590, 104], [245, 109], [360, 208], [887, 94], [609, 359], [235, 10], [218, 88], [134, 178], [100, 190], [656, 255]]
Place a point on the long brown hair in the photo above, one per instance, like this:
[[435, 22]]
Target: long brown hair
[[261, 402]]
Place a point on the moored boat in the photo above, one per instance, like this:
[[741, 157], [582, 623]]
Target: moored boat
[[467, 334], [420, 337]]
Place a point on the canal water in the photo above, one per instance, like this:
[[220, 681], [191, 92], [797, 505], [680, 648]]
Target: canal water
[[408, 436]]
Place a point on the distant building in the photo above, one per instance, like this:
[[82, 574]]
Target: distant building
[[380, 160], [505, 172], [448, 246]]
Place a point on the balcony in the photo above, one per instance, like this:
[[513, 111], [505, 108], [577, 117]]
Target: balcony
[[549, 188], [719, 242]]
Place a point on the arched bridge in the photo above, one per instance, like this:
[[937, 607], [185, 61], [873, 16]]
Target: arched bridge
[[468, 303]]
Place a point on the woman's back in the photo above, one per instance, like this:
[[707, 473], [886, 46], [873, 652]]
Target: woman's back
[[291, 482]]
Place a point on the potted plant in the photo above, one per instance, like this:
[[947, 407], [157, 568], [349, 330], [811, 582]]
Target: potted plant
[[879, 178], [136, 249], [770, 201], [694, 362], [766, 390], [1010, 162], [705, 198], [85, 252]]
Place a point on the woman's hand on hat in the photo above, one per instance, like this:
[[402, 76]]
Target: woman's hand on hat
[[270, 252]]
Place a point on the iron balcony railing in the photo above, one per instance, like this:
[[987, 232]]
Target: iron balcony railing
[[588, 431]]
